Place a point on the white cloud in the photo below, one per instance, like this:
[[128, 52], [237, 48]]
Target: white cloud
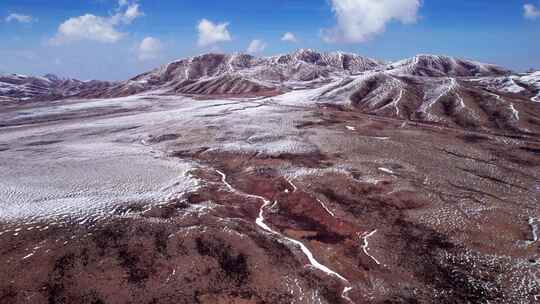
[[289, 37], [149, 48], [530, 11], [20, 18], [132, 12], [97, 28], [359, 20], [210, 33], [87, 27], [256, 46]]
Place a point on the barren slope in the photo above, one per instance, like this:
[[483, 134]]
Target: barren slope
[[174, 200], [344, 181]]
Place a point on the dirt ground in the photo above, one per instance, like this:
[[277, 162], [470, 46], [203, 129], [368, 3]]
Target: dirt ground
[[395, 211]]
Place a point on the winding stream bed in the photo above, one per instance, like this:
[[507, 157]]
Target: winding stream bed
[[260, 222]]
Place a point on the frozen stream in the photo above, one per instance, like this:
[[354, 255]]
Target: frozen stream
[[260, 221]]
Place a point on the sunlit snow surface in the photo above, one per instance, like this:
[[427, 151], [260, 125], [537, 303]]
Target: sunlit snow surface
[[86, 158], [533, 80], [84, 167], [86, 178]]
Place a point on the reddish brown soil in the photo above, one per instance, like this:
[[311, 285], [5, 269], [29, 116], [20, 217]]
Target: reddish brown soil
[[450, 220]]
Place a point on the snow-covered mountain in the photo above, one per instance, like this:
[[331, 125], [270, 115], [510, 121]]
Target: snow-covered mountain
[[337, 60], [242, 74], [16, 87], [440, 66], [492, 103], [532, 82], [429, 88]]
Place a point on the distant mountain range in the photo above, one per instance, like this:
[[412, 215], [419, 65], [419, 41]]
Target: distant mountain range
[[431, 88], [240, 74], [15, 87]]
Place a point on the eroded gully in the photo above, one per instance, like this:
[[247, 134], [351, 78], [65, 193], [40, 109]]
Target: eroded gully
[[260, 221]]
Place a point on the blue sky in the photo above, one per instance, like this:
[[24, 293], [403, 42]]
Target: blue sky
[[43, 36]]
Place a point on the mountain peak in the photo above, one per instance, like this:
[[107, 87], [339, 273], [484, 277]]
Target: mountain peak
[[52, 77], [219, 73], [442, 65], [305, 51]]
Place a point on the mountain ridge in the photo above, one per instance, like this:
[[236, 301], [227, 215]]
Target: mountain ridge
[[240, 74], [431, 88], [246, 75]]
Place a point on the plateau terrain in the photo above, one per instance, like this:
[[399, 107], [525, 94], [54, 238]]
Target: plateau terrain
[[301, 178]]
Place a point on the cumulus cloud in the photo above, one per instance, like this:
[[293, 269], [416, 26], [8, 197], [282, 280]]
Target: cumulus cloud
[[97, 28], [256, 46], [87, 27], [131, 13], [359, 20], [149, 48], [530, 11], [211, 33], [289, 37], [20, 18]]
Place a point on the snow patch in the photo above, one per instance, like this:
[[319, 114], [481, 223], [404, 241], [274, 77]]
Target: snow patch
[[260, 221], [326, 208], [386, 170], [533, 223], [365, 245]]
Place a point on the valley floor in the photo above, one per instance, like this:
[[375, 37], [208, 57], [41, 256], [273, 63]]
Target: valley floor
[[160, 199]]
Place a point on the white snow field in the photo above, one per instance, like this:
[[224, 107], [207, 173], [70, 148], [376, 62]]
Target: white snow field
[[86, 178], [84, 158], [83, 167], [533, 80]]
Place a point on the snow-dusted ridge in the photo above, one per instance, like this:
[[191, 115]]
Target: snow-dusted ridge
[[265, 73], [306, 77], [16, 87], [532, 80], [438, 66]]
